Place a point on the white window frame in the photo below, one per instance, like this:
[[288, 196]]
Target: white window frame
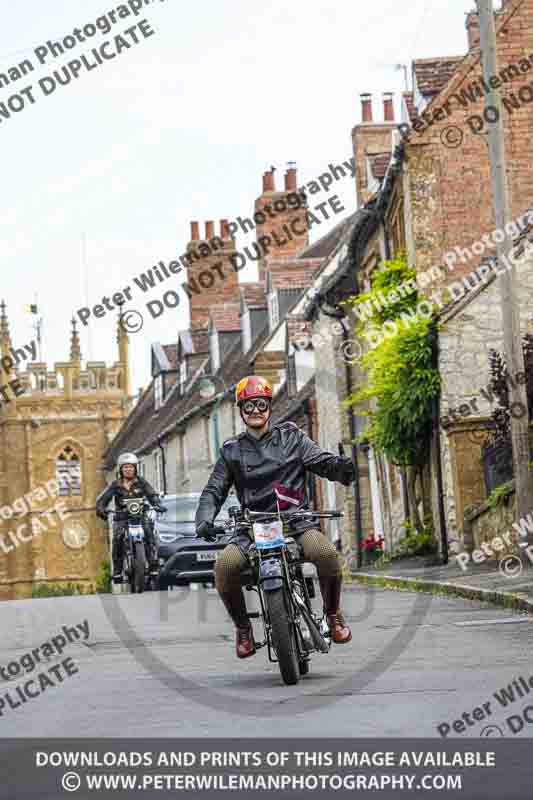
[[183, 374], [246, 324], [273, 309], [214, 346], [158, 471], [158, 391]]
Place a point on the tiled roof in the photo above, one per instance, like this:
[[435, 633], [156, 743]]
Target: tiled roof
[[326, 245], [134, 429], [253, 294], [379, 163], [292, 278], [432, 74], [226, 317]]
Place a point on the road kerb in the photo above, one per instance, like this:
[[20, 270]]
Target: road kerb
[[401, 583]]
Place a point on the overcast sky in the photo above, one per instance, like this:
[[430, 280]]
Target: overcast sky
[[179, 127]]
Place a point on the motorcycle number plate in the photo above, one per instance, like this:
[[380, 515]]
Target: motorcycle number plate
[[137, 533], [268, 534]]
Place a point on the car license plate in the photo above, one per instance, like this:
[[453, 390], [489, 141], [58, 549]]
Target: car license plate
[[209, 556], [268, 534]]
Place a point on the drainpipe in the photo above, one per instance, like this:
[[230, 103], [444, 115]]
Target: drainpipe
[[351, 427], [434, 338], [163, 466], [312, 485]]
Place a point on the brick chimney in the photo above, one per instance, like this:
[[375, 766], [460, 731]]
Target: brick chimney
[[370, 138], [366, 108], [211, 278], [268, 182], [388, 107], [287, 208]]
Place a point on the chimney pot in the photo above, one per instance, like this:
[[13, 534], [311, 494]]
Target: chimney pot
[[268, 182], [209, 230], [224, 233], [290, 179], [195, 232], [366, 107], [388, 107]]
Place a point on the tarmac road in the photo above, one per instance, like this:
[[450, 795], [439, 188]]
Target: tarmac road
[[158, 665]]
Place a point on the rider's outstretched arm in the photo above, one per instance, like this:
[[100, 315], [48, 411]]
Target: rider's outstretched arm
[[322, 462], [215, 492]]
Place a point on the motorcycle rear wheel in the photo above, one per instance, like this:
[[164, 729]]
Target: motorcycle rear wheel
[[140, 567], [283, 637]]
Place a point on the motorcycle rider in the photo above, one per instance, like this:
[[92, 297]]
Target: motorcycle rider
[[128, 485], [267, 464]]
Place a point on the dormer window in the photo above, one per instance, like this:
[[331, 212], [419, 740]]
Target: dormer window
[[246, 331], [273, 310], [215, 351], [158, 392]]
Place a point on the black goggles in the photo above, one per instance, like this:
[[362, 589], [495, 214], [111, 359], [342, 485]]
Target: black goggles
[[257, 404]]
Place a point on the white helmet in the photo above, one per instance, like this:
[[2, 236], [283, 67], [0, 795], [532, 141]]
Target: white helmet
[[127, 458]]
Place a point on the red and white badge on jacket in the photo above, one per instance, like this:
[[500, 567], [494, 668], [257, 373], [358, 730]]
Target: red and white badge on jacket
[[288, 498]]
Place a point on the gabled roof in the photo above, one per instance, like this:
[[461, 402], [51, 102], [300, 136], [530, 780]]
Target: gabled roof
[[290, 278], [194, 341], [171, 352], [432, 74]]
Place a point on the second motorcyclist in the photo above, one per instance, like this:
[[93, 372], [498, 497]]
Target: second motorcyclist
[[128, 485]]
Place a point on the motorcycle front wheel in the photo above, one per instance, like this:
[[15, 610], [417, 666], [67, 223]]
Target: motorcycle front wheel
[[283, 637], [140, 567]]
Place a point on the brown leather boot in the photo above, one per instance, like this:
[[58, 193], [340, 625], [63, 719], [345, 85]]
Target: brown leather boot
[[331, 592], [236, 608]]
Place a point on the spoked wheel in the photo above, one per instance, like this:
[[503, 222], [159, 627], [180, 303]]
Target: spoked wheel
[[139, 568], [283, 637]]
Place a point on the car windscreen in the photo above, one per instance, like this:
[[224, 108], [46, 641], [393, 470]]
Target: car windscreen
[[184, 510]]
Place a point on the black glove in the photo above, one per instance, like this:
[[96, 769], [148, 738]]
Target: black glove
[[161, 508], [102, 514], [346, 470], [206, 530]]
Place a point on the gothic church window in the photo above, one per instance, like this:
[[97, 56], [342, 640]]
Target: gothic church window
[[68, 473]]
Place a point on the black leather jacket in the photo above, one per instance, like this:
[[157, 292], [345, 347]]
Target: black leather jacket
[[253, 466], [116, 491]]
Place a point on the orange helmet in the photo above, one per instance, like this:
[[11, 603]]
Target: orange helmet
[[252, 386]]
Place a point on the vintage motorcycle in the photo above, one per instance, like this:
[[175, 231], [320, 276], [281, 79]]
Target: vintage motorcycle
[[292, 630], [135, 562]]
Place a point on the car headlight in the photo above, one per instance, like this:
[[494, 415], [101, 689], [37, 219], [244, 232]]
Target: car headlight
[[168, 538]]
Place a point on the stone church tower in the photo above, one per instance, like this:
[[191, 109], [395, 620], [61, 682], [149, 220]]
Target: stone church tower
[[55, 426]]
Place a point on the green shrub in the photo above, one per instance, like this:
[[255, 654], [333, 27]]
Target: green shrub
[[56, 590], [499, 496], [416, 544], [103, 579]]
